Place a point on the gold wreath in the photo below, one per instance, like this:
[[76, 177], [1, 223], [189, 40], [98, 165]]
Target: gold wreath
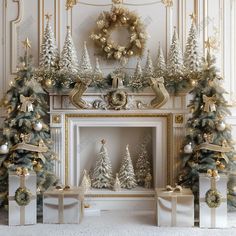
[[117, 99], [107, 22], [22, 196], [213, 198]]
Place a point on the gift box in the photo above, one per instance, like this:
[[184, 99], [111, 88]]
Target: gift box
[[175, 207], [22, 199], [213, 201], [63, 206]]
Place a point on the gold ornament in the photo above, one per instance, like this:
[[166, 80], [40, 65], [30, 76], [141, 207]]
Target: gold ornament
[[107, 49], [130, 53], [221, 166], [123, 20], [38, 167], [103, 39], [49, 83]]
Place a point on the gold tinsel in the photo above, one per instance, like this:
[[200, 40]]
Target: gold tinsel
[[107, 22]]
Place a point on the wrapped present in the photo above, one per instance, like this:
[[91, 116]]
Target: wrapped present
[[175, 207], [213, 201], [22, 197], [63, 205]]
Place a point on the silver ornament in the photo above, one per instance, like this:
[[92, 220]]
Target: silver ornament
[[220, 126], [38, 126], [4, 149], [188, 148]]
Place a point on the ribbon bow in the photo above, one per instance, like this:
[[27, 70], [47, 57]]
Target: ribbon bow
[[209, 103], [213, 174], [22, 171], [177, 188], [27, 103]]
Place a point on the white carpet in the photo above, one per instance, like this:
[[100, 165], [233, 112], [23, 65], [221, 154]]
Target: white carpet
[[111, 224]]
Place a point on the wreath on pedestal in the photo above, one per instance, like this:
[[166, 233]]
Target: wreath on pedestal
[[213, 198], [22, 196], [109, 21]]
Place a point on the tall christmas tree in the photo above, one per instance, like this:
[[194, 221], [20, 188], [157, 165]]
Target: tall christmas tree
[[175, 66], [69, 60], [192, 59], [137, 81], [49, 55], [148, 69], [126, 173], [160, 65], [143, 166], [102, 174], [85, 68], [208, 144], [26, 138]]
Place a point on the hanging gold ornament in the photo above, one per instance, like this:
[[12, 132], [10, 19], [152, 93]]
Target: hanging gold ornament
[[49, 83], [38, 167]]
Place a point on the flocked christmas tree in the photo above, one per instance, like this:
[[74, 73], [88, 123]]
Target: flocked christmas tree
[[69, 60], [85, 68], [26, 139], [97, 72], [102, 174], [126, 173], [192, 59], [208, 144], [160, 65], [137, 81], [143, 166], [49, 55], [148, 69]]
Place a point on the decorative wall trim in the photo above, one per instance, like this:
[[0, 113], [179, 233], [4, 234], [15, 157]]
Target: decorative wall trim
[[14, 23]]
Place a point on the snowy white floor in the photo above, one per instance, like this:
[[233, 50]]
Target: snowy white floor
[[113, 223]]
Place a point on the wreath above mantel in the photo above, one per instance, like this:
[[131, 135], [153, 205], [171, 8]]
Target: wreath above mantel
[[109, 21]]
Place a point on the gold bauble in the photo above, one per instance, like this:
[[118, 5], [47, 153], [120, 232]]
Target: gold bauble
[[214, 173], [221, 166], [25, 171], [107, 49], [209, 172], [104, 30], [130, 53], [34, 162], [132, 28], [18, 171], [218, 162], [124, 52], [48, 83], [38, 167], [103, 40], [113, 17], [123, 20]]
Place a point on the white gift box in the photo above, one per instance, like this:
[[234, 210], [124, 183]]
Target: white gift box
[[213, 217], [63, 206], [175, 208], [22, 215]]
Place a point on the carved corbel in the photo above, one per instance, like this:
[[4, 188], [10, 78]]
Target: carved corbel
[[158, 87], [77, 93]]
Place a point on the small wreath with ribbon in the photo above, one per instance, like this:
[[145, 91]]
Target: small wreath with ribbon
[[22, 196], [119, 17], [213, 198], [117, 99]]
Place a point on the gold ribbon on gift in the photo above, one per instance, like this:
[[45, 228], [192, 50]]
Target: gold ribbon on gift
[[27, 103], [177, 188], [161, 94], [210, 103], [22, 208], [62, 193]]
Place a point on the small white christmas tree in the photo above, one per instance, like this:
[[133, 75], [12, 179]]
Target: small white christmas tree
[[85, 68], [143, 166], [160, 65], [85, 184], [69, 60], [175, 58], [102, 175], [117, 186], [148, 69], [126, 173], [49, 55], [97, 72], [192, 59], [138, 70]]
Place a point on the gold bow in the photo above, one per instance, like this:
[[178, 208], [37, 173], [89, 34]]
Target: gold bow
[[212, 173], [177, 188], [209, 103], [27, 103], [22, 171]]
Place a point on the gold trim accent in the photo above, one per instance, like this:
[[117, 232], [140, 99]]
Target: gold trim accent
[[179, 119], [169, 128], [120, 195]]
